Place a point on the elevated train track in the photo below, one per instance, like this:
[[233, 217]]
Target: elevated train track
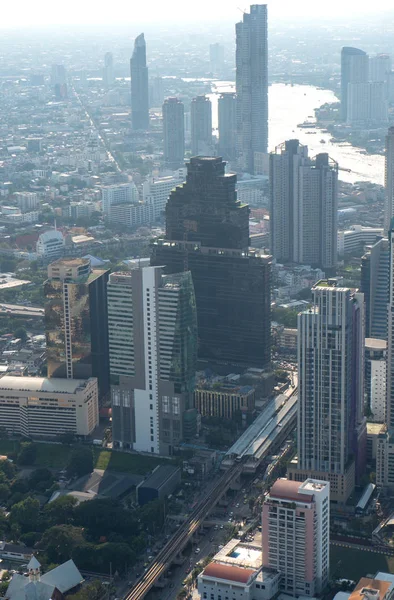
[[279, 418]]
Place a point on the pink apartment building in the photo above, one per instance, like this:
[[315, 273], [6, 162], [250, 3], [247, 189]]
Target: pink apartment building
[[296, 536]]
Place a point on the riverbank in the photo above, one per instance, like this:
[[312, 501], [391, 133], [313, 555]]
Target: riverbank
[[292, 105], [369, 141]]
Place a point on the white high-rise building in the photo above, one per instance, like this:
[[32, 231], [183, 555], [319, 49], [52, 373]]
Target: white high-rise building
[[152, 327], [122, 193], [367, 103], [156, 190], [252, 85], [174, 132], [375, 378], [354, 69], [296, 535], [379, 67], [389, 180], [26, 200], [108, 70], [385, 445], [303, 206], [331, 426], [50, 245], [201, 126]]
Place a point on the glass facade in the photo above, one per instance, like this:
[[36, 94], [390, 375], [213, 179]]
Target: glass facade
[[207, 232], [76, 327]]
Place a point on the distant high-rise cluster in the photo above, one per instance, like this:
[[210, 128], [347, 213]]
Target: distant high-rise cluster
[[252, 86], [303, 206], [139, 86]]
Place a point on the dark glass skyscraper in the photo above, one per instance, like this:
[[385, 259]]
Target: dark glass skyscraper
[[207, 232], [76, 322], [139, 85]]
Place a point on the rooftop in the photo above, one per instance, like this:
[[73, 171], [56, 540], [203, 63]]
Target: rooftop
[[289, 490], [370, 589], [375, 344], [239, 554], [70, 262], [228, 572], [43, 384], [159, 476]]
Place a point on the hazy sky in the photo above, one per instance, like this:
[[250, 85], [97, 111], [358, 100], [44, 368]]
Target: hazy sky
[[47, 12]]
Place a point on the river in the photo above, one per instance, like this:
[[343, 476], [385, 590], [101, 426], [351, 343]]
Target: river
[[289, 106]]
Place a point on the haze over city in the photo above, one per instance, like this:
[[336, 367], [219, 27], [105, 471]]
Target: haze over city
[[197, 301], [45, 12]]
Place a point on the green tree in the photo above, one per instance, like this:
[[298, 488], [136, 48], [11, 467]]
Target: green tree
[[25, 514], [80, 462], [21, 333], [40, 476], [60, 511], [4, 492], [93, 591], [27, 454], [67, 438], [8, 468], [60, 541]]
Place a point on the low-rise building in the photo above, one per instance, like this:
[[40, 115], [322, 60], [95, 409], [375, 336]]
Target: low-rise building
[[162, 482], [356, 237], [224, 400], [41, 407], [236, 573], [50, 245]]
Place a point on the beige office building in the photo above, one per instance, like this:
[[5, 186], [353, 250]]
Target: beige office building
[[39, 407]]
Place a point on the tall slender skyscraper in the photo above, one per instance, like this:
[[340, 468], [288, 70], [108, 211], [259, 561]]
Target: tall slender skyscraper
[[389, 180], [252, 85], [216, 58], [303, 206], [76, 321], [108, 71], [354, 69], [207, 231], [201, 126], [139, 85], [331, 427], [174, 132], [227, 113], [153, 353]]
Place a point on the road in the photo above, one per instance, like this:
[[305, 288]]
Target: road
[[176, 544], [21, 310]]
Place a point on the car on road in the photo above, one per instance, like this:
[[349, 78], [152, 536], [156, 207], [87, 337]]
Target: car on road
[[197, 551]]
